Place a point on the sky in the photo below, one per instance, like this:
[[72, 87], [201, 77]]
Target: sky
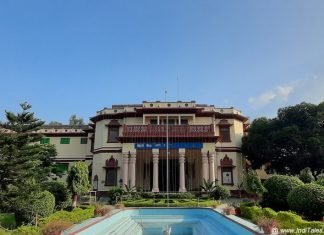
[[77, 57]]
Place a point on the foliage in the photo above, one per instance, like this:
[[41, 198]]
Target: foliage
[[7, 220], [278, 187], [252, 183], [74, 120], [184, 195], [289, 142], [77, 215], [308, 200], [26, 207], [306, 175], [22, 159], [252, 213], [54, 123], [78, 182], [220, 192], [61, 193], [55, 227], [172, 203], [208, 186], [26, 230], [320, 181], [115, 193], [269, 213]]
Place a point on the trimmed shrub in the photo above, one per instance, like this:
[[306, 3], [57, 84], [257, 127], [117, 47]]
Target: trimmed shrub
[[252, 183], [269, 213], [306, 175], [102, 210], [278, 188], [307, 200], [220, 192], [320, 181], [252, 213], [115, 193], [61, 193], [38, 203], [26, 230], [56, 227], [147, 195], [75, 216]]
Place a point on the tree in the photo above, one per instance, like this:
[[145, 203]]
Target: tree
[[290, 142], [78, 181], [22, 158], [74, 120], [54, 123]]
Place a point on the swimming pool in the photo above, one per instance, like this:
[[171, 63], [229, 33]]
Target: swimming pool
[[153, 221]]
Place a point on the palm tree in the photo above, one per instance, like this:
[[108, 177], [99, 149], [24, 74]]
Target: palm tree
[[208, 186]]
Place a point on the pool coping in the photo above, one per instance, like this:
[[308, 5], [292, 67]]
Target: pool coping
[[232, 218]]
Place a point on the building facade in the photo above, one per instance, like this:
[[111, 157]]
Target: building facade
[[155, 146]]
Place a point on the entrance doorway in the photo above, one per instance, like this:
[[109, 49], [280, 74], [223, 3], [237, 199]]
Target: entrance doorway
[[173, 175]]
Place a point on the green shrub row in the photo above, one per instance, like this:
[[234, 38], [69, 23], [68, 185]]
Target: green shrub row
[[285, 219], [172, 203]]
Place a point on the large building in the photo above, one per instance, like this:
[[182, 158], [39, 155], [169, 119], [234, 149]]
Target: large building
[[147, 145]]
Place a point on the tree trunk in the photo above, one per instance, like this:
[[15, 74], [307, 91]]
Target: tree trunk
[[74, 200]]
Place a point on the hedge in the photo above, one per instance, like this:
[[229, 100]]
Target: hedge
[[61, 193], [172, 203], [278, 188], [38, 203], [220, 192], [285, 219], [308, 200]]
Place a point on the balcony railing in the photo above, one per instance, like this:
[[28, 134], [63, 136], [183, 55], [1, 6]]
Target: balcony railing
[[174, 131]]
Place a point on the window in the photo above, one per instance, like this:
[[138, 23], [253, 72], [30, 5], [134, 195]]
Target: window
[[83, 140], [111, 177], [224, 132], [45, 141], [113, 133], [227, 176], [184, 121], [153, 121], [65, 141]]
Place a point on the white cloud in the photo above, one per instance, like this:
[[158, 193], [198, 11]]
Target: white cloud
[[279, 94]]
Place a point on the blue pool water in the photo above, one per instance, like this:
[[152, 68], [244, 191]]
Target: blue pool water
[[152, 222]]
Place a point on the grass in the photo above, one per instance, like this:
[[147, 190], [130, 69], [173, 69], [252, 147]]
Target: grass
[[7, 220], [172, 203]]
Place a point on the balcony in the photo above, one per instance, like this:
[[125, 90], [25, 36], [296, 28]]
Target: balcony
[[138, 131]]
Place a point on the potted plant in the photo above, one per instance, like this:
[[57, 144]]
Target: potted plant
[[267, 224], [229, 210], [237, 209]]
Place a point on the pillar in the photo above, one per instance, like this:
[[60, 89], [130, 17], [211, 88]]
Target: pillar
[[155, 188], [205, 166], [132, 165], [212, 167], [125, 169], [182, 183]]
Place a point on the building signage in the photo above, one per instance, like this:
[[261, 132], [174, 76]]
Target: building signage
[[179, 145]]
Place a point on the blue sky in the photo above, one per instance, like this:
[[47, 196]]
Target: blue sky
[[76, 57]]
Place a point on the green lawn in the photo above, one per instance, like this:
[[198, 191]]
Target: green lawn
[[172, 203], [8, 220]]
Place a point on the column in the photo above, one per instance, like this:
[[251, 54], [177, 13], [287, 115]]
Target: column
[[132, 165], [182, 183], [155, 188], [205, 166], [212, 167], [125, 169]]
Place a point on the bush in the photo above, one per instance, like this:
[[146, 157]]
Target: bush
[[38, 203], [102, 210], [147, 194], [320, 181], [306, 175], [8, 220], [220, 192], [26, 230], [55, 227], [115, 193], [307, 200], [269, 213], [278, 187], [252, 213], [77, 215], [61, 193]]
